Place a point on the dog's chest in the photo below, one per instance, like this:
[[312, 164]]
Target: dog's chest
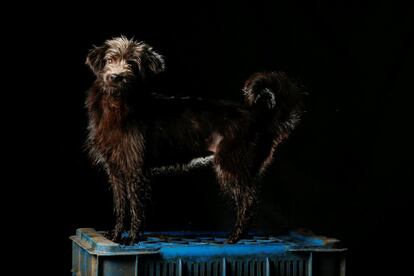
[[124, 148], [113, 139]]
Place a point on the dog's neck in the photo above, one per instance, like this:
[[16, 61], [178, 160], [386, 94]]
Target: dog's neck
[[107, 108]]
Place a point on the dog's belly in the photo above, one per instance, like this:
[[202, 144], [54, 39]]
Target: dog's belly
[[179, 131], [167, 156], [182, 167], [181, 150]]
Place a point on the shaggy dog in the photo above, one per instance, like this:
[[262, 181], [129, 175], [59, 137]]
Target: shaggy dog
[[134, 133]]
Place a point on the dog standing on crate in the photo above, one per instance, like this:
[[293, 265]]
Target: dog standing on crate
[[134, 134]]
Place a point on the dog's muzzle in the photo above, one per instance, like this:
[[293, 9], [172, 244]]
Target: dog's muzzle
[[116, 78]]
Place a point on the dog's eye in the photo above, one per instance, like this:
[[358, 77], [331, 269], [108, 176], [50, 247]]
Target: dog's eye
[[109, 60]]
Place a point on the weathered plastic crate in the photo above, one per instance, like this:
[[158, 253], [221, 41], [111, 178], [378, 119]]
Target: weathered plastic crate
[[207, 254]]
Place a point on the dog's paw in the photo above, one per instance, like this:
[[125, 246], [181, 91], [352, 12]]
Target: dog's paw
[[124, 238], [234, 237], [114, 235], [131, 239], [232, 240]]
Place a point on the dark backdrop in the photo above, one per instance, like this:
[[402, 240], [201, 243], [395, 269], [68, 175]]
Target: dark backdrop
[[341, 174]]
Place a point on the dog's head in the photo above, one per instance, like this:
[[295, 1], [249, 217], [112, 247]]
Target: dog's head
[[121, 61]]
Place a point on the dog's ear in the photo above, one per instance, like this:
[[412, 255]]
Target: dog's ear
[[95, 58], [151, 61]]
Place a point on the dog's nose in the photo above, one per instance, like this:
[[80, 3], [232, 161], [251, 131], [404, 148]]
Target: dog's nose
[[116, 78]]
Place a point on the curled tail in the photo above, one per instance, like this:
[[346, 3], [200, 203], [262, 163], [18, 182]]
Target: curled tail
[[276, 102]]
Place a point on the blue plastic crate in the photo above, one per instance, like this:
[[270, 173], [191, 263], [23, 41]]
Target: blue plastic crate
[[207, 254]]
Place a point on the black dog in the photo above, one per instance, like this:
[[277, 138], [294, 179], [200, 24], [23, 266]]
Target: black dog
[[132, 131]]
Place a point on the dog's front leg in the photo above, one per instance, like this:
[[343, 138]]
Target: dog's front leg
[[138, 190], [119, 198]]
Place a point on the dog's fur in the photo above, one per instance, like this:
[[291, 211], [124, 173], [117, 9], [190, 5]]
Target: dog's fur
[[132, 131]]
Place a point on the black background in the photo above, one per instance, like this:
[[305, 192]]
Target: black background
[[343, 173]]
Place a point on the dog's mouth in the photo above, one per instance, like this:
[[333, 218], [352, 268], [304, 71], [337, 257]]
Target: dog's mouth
[[115, 85]]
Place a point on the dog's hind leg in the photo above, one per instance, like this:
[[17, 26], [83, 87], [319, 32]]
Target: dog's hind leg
[[233, 169], [245, 202]]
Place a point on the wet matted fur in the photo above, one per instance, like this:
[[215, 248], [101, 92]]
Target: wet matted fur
[[132, 131]]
